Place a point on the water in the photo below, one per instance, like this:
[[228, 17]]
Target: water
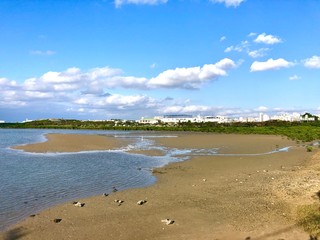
[[31, 182]]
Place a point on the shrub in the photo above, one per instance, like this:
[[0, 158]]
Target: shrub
[[309, 148], [309, 219]]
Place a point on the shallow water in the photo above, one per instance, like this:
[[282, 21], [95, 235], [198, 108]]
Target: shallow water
[[31, 182]]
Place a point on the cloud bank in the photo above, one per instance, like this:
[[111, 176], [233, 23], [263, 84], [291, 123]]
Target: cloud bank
[[80, 91]]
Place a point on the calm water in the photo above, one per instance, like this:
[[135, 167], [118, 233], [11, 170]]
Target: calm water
[[32, 182]]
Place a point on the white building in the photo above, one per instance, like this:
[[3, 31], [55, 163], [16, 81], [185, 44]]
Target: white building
[[148, 120], [1, 121], [263, 117]]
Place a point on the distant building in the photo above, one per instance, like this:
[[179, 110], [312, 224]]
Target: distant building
[[148, 120], [27, 120], [308, 117], [263, 117], [1, 121]]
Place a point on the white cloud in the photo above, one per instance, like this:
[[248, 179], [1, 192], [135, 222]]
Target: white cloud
[[190, 109], [153, 65], [73, 89], [223, 38], [294, 77], [258, 53], [229, 3], [252, 34], [313, 62], [261, 109], [191, 78], [267, 39], [270, 65], [244, 45], [7, 84], [119, 3], [42, 53]]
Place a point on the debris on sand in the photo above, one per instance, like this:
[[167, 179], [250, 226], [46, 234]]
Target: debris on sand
[[141, 202], [57, 220], [167, 221], [78, 204]]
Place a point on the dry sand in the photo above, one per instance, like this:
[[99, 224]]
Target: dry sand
[[208, 197]]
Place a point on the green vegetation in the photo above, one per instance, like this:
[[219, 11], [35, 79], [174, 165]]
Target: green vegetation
[[309, 148], [299, 131], [309, 219]]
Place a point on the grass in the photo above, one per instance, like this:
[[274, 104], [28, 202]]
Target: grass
[[309, 218]]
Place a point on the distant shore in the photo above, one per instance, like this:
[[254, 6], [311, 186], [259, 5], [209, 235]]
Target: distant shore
[[207, 197]]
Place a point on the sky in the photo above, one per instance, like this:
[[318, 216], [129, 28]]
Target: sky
[[127, 59]]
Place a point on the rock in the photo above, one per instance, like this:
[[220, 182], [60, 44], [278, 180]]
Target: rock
[[32, 215], [57, 220], [118, 201], [105, 195], [167, 221]]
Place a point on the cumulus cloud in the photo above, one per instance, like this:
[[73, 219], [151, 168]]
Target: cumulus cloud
[[267, 39], [313, 62], [229, 3], [42, 53], [119, 3], [270, 64], [85, 92], [191, 78]]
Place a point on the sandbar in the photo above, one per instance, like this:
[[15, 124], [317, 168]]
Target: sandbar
[[208, 197]]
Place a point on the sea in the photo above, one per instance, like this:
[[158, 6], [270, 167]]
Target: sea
[[31, 182]]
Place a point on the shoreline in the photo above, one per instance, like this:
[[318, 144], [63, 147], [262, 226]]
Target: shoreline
[[208, 197]]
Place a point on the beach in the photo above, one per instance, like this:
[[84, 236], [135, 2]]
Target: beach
[[236, 194]]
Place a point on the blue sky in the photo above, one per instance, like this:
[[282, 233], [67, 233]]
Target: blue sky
[[100, 59]]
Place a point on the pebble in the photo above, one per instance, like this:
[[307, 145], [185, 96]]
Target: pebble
[[57, 220]]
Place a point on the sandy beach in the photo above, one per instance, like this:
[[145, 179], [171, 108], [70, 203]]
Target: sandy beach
[[207, 197]]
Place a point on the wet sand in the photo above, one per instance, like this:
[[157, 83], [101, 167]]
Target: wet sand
[[73, 143], [208, 197]]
